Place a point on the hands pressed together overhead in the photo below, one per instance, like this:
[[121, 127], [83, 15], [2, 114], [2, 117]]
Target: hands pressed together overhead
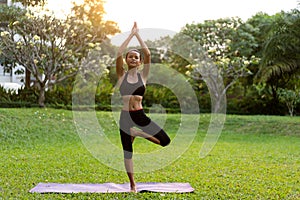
[[134, 29]]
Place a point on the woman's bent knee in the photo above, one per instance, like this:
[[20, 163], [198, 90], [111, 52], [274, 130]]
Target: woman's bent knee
[[165, 142]]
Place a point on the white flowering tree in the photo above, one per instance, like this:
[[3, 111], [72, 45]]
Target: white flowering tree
[[50, 49], [219, 52]]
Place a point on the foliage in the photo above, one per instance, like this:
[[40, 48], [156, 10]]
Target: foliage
[[281, 51], [258, 101], [31, 2], [9, 15], [24, 97], [290, 97], [251, 59], [229, 43], [51, 49], [160, 49], [92, 12], [276, 69], [90, 77], [217, 52], [160, 95], [60, 95], [36, 45]]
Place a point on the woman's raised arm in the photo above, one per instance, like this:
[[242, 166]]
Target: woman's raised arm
[[119, 63], [147, 55]]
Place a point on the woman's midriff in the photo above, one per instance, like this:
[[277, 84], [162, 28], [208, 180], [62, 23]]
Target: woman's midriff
[[132, 102]]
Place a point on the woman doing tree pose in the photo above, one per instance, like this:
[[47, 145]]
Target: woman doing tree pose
[[132, 84]]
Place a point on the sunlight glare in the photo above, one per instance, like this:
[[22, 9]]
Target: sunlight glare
[[62, 9]]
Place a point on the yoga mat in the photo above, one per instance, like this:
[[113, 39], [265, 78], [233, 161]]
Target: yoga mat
[[110, 188]]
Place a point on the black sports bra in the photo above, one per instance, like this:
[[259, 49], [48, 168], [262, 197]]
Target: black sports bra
[[137, 88]]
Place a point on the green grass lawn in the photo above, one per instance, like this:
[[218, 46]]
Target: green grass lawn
[[256, 157]]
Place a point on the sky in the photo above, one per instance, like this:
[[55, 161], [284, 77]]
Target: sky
[[169, 16], [174, 14]]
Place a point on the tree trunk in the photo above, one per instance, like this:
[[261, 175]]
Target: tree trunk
[[42, 97], [275, 101], [219, 104], [27, 78]]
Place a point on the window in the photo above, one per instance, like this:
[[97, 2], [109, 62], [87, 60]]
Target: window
[[3, 1]]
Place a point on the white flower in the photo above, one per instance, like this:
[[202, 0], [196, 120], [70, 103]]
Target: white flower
[[15, 23], [36, 37], [67, 26], [73, 35], [106, 71], [88, 23], [212, 50], [92, 45], [4, 33], [69, 52], [246, 62], [29, 15]]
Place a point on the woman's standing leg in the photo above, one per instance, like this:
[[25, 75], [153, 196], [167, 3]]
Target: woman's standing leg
[[129, 169], [127, 141], [127, 149]]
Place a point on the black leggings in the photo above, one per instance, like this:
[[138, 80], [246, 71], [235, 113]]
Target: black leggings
[[129, 119]]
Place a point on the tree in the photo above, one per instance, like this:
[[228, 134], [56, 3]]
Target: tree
[[290, 97], [92, 12], [31, 2], [282, 49], [279, 52], [50, 48], [8, 15], [227, 45], [260, 25]]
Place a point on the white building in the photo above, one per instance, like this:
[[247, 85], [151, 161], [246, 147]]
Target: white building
[[11, 79]]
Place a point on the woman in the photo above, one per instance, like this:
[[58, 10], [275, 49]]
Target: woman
[[132, 88]]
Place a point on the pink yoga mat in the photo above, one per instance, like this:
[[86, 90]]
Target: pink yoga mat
[[110, 188]]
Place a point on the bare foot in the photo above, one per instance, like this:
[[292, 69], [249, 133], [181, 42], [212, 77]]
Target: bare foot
[[133, 189], [134, 132]]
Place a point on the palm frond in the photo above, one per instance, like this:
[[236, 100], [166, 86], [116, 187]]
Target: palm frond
[[281, 54], [278, 69]]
